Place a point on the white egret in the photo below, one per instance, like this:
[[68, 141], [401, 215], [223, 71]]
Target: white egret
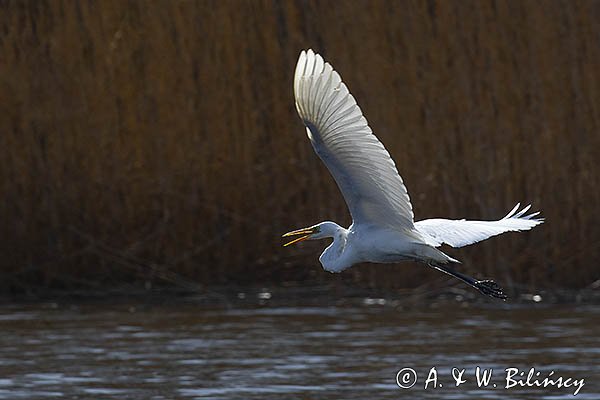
[[383, 228]]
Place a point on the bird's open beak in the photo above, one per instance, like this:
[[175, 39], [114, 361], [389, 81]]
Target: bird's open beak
[[305, 232]]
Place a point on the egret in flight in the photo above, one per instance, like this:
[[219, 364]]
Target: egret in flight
[[383, 229]]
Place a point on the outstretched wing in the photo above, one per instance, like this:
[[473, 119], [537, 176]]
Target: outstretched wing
[[458, 233], [340, 135]]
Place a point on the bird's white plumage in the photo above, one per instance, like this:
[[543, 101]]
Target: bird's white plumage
[[340, 135], [459, 233], [383, 227]]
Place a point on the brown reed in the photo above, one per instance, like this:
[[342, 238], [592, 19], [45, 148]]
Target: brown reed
[[165, 132]]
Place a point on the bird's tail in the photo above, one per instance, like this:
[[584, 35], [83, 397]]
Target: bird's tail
[[431, 255]]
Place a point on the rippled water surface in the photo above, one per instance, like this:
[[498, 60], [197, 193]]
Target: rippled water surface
[[274, 352]]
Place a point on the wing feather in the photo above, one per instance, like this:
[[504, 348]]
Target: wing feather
[[341, 137], [459, 233]]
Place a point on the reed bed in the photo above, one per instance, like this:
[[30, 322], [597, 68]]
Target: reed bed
[[158, 141]]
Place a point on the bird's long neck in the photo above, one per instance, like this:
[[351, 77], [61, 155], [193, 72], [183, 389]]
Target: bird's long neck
[[335, 258]]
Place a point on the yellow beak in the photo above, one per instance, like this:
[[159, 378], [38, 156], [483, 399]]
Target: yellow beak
[[305, 232]]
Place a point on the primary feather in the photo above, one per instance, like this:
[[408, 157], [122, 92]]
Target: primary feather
[[340, 135], [459, 233]]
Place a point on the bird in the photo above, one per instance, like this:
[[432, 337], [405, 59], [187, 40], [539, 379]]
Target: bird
[[383, 229]]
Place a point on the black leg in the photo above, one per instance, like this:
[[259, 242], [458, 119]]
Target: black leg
[[487, 286]]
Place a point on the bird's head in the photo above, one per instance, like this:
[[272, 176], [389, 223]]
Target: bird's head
[[319, 231]]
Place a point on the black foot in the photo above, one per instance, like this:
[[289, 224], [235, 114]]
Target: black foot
[[490, 288]]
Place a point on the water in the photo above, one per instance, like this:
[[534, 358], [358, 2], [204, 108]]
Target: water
[[273, 351]]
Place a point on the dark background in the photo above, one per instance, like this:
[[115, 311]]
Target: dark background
[[146, 143]]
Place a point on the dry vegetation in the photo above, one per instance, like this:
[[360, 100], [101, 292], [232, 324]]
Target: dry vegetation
[[158, 140]]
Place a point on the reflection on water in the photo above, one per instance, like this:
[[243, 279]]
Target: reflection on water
[[329, 352]]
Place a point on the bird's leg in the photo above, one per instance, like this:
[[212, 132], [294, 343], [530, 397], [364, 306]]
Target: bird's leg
[[487, 286]]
